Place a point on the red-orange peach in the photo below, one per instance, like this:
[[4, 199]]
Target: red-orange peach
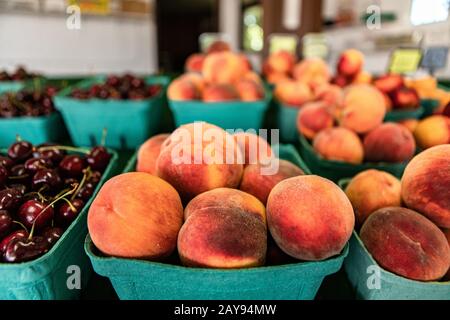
[[254, 148], [389, 83], [148, 153], [350, 62], [280, 62], [250, 90], [410, 124], [314, 117], [433, 131], [223, 68], [194, 63], [313, 71], [220, 93], [293, 93], [309, 217], [218, 46], [181, 89], [196, 79], [136, 215], [447, 234], [405, 98]]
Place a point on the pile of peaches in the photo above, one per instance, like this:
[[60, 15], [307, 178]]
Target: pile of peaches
[[215, 213], [411, 240], [217, 76]]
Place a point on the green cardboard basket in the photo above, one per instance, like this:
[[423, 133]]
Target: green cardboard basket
[[129, 123], [36, 130], [228, 115], [429, 106], [6, 86], [399, 115], [46, 278], [336, 170], [287, 122], [361, 269], [136, 279]]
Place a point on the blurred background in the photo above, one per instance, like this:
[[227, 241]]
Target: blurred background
[[147, 36]]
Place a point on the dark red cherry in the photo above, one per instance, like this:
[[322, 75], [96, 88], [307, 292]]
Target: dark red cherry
[[6, 223], [18, 234], [32, 212], [98, 158], [46, 178], [10, 199], [70, 182], [20, 187], [52, 235], [34, 164], [6, 162], [95, 177], [20, 151], [72, 166], [21, 250], [19, 175], [86, 191], [3, 175], [54, 155], [64, 216]]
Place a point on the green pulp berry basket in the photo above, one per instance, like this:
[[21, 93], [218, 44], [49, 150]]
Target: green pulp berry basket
[[371, 282], [33, 129], [128, 122], [135, 279], [429, 107], [47, 277], [227, 115], [336, 170], [6, 86], [287, 122]]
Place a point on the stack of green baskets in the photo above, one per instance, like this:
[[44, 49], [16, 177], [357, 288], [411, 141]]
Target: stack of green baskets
[[47, 277], [135, 279]]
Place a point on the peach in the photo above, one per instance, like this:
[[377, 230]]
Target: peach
[[313, 71], [245, 61], [389, 83], [258, 184], [405, 98], [293, 93], [309, 217], [223, 68], [350, 62], [218, 46], [196, 79], [339, 144], [199, 157], [410, 124], [341, 80], [250, 90], [314, 117], [276, 78], [364, 108], [222, 238], [220, 93], [388, 102], [251, 75], [181, 89], [254, 148], [280, 62], [194, 63], [426, 184], [148, 153], [390, 142], [226, 198], [330, 94], [446, 110], [447, 234], [136, 215], [432, 131], [406, 243], [371, 190], [363, 77]]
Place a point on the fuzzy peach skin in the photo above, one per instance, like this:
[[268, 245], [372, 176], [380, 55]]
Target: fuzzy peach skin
[[371, 190], [314, 117], [136, 215], [226, 198], [280, 62], [447, 234], [249, 90], [223, 68], [426, 184], [196, 79], [251, 75], [350, 62], [148, 153], [260, 185], [362, 77], [406, 243], [433, 131], [181, 89], [276, 78], [390, 142], [389, 83], [410, 124], [222, 238], [254, 148], [313, 71], [293, 93], [194, 63], [220, 93], [218, 46], [405, 98], [309, 217], [330, 94], [339, 144], [194, 162], [364, 108]]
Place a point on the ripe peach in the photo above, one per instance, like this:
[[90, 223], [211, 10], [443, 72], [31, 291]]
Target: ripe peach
[[250, 90], [314, 117], [390, 142], [350, 62], [363, 77], [364, 108], [199, 157], [226, 198], [181, 89], [312, 71], [148, 153], [433, 131], [447, 234], [251, 75], [223, 68], [254, 148], [341, 80], [222, 238], [330, 94], [405, 98], [196, 79], [410, 124], [293, 93], [220, 93], [339, 144], [218, 46], [276, 78], [371, 190], [280, 62], [309, 217], [194, 63], [426, 184], [388, 102], [389, 83], [136, 215], [406, 243], [260, 185]]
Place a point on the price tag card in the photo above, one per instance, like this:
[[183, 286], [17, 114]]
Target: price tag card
[[314, 45], [285, 42], [405, 60], [435, 58]]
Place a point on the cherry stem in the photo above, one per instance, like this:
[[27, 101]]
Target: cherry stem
[[21, 224], [18, 177], [18, 138], [82, 182], [104, 134], [80, 150], [70, 205], [46, 208]]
